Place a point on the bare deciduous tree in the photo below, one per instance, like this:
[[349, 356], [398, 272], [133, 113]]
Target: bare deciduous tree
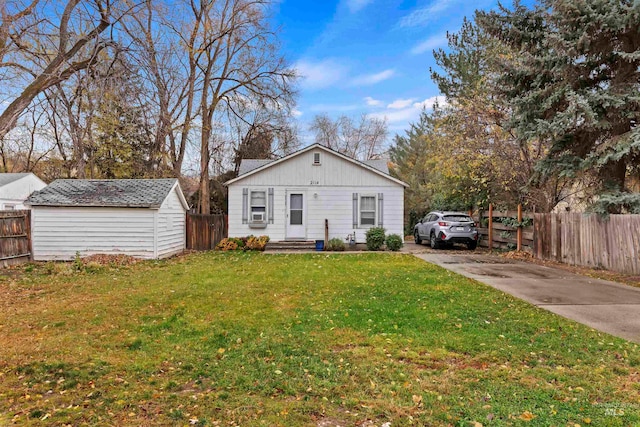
[[49, 52], [237, 59], [362, 140]]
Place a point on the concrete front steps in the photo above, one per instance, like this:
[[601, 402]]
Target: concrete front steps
[[303, 246]]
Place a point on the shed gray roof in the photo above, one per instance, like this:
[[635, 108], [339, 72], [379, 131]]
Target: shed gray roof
[[131, 193], [8, 178], [247, 165]]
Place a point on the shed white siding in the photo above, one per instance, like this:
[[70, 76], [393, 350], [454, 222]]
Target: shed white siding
[[171, 226], [59, 232], [328, 189]]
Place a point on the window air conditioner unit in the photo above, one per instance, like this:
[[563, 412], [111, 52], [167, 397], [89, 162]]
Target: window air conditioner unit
[[257, 217]]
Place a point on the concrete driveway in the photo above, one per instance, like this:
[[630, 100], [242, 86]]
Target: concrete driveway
[[606, 306]]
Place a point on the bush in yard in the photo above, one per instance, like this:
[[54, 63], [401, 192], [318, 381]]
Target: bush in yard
[[375, 238], [335, 244], [256, 243], [227, 244], [240, 241], [393, 242]]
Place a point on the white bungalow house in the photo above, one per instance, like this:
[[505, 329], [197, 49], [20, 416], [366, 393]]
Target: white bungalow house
[[16, 187], [143, 218], [290, 198]]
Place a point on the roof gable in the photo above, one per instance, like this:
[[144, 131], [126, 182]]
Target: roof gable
[[131, 193], [254, 166], [8, 178]]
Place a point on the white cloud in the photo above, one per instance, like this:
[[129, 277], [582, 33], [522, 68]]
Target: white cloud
[[402, 111], [426, 14], [395, 116], [372, 102], [296, 113], [429, 44], [320, 74], [357, 5], [400, 103], [430, 102], [371, 79]]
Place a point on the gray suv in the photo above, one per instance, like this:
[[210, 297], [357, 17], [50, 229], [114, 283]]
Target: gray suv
[[445, 228]]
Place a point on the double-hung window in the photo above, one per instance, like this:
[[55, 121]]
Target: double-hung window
[[258, 207], [368, 212]]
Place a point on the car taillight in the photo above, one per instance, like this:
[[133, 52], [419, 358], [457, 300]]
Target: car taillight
[[443, 224]]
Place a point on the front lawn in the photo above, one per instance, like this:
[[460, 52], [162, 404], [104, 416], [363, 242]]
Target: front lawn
[[313, 339]]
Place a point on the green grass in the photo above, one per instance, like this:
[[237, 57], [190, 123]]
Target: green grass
[[315, 339]]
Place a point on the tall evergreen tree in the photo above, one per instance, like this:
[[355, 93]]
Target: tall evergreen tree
[[574, 82]]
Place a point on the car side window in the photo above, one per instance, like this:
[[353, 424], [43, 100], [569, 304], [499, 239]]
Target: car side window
[[431, 217]]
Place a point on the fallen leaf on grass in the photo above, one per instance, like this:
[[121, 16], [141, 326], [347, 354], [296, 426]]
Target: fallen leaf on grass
[[417, 399], [526, 416]]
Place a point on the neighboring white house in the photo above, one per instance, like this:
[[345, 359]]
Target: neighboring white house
[[16, 187], [144, 218], [290, 198]]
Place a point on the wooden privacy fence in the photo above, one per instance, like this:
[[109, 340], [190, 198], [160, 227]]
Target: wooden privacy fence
[[15, 237], [590, 241], [204, 232], [571, 238]]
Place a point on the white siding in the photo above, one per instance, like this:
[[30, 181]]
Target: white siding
[[58, 232], [332, 203], [333, 171], [171, 226], [16, 192]]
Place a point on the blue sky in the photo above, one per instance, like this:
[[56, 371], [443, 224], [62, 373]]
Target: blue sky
[[367, 56]]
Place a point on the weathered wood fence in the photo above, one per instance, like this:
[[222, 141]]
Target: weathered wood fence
[[571, 238], [505, 235], [590, 241], [204, 232], [15, 237]]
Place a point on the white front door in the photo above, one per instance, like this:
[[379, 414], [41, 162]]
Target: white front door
[[296, 215]]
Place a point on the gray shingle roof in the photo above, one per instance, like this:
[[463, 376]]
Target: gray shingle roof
[[8, 178], [133, 193], [247, 165], [380, 165]]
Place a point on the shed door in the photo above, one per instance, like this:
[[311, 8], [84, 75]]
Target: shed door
[[296, 216]]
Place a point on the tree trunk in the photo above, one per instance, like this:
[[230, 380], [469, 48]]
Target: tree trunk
[[205, 158]]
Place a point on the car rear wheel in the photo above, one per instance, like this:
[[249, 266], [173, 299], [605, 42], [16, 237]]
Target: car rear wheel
[[416, 238], [433, 242], [472, 245]]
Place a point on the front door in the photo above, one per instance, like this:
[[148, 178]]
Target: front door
[[296, 216]]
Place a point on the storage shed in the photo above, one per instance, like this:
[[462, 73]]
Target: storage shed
[[143, 218]]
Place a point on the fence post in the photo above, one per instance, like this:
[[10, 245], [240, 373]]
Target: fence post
[[519, 230], [27, 227], [490, 227]]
